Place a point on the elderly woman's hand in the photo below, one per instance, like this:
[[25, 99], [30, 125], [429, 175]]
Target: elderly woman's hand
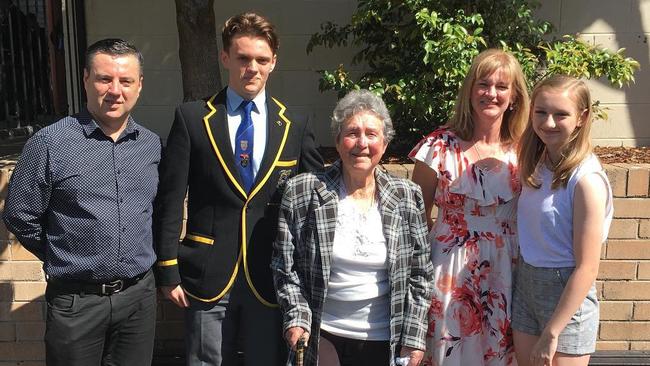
[[414, 354], [293, 334]]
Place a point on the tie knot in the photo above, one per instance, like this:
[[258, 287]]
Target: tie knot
[[247, 106]]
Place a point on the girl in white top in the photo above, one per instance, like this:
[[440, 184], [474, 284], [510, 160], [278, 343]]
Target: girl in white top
[[564, 213]]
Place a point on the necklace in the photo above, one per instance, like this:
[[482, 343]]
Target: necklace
[[364, 198], [550, 164], [358, 220], [477, 152], [360, 203], [485, 163]]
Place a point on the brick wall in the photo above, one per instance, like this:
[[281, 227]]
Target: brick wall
[[623, 283], [624, 278], [22, 309]]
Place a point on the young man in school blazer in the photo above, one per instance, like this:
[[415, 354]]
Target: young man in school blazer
[[231, 153]]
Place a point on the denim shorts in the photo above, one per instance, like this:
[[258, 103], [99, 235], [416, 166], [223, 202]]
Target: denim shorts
[[537, 293]]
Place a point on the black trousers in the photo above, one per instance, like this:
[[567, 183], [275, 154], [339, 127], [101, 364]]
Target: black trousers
[[92, 330], [354, 352]]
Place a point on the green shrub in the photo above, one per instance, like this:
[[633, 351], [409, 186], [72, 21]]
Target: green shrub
[[416, 53]]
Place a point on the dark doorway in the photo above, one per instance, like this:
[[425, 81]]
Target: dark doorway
[[32, 69]]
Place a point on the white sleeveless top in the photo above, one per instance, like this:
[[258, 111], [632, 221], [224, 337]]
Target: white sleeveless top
[[357, 304], [545, 217]]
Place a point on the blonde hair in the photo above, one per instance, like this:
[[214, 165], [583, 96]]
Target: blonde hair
[[486, 63], [574, 151]]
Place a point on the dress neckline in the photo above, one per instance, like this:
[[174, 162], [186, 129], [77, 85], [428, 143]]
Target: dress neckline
[[465, 158]]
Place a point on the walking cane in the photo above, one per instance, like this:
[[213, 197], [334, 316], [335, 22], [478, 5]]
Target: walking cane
[[300, 351]]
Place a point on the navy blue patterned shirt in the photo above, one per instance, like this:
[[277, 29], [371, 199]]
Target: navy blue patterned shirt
[[83, 203]]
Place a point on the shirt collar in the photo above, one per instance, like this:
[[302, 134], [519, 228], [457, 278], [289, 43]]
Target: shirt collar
[[234, 100], [90, 126]]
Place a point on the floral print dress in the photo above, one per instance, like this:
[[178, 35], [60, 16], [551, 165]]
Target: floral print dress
[[473, 250]]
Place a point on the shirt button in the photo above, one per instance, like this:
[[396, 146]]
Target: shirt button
[[121, 200], [119, 171]]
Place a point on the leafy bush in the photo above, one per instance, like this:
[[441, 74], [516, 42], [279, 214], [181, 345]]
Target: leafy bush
[[417, 52]]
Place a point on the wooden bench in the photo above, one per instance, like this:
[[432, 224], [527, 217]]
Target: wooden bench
[[600, 358], [632, 358]]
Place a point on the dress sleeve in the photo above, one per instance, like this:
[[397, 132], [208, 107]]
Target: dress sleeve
[[440, 151]]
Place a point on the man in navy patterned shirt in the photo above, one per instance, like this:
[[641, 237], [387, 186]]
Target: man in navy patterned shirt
[[81, 200]]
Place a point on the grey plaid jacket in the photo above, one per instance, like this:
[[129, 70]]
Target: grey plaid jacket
[[303, 249]]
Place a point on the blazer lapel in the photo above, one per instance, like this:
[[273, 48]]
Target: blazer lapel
[[326, 215], [276, 126], [390, 217], [216, 124]]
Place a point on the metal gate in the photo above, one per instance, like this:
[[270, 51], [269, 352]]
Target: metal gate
[[37, 39], [25, 93]]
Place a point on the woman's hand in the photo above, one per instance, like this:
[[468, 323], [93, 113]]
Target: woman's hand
[[293, 334], [544, 350], [416, 355]]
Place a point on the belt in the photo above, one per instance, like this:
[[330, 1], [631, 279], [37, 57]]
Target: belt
[[103, 289]]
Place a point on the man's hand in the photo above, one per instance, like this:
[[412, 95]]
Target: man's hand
[[416, 355], [176, 295], [293, 334]]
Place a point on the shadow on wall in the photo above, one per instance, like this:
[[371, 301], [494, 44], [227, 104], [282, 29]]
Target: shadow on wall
[[626, 21], [6, 297], [21, 324], [22, 289]]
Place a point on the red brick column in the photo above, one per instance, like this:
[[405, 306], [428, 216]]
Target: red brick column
[[624, 276], [22, 307]]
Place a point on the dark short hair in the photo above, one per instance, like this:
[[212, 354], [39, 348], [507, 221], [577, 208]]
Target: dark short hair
[[249, 24], [113, 47]]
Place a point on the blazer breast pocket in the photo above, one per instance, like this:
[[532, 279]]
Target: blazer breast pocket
[[287, 163]]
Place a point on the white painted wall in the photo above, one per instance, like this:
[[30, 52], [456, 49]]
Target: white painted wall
[[151, 26]]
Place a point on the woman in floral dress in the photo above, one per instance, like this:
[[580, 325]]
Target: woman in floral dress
[[468, 169]]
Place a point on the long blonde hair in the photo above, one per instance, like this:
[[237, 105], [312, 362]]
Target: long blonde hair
[[576, 149], [514, 121]]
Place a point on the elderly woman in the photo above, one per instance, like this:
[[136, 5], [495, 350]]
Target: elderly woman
[[351, 260], [469, 170]]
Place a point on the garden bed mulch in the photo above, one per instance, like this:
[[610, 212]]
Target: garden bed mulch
[[619, 154]]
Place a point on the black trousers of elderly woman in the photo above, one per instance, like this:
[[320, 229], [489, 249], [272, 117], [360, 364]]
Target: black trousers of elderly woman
[[354, 352]]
